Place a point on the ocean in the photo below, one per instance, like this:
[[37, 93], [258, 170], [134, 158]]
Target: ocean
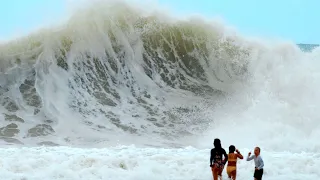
[[118, 93]]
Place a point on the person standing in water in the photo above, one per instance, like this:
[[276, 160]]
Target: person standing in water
[[259, 164], [232, 162], [216, 162]]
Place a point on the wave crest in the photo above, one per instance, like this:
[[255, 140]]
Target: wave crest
[[112, 69]]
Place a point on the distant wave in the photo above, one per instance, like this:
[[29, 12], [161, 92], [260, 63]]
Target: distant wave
[[308, 47]]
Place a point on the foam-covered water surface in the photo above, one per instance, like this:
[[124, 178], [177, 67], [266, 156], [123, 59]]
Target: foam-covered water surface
[[134, 163]]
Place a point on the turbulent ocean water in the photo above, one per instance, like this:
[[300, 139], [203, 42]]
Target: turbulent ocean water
[[116, 93]]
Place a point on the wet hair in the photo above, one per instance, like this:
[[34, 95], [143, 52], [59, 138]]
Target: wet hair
[[232, 148], [217, 143], [258, 148]]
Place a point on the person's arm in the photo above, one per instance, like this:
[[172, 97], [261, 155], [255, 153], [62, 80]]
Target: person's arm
[[225, 157], [261, 163], [249, 158], [211, 157], [239, 155]]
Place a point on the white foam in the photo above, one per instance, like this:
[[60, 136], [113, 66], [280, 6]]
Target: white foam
[[131, 163]]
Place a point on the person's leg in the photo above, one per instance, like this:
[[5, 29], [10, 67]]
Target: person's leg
[[229, 172], [212, 170], [258, 174], [234, 175], [255, 175], [229, 175], [220, 170], [215, 172]]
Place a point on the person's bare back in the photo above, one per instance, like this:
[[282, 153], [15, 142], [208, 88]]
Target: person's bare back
[[232, 162]]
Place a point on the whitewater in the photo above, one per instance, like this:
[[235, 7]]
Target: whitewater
[[119, 92]]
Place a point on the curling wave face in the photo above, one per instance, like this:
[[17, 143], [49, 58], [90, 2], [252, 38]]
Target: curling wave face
[[112, 74]]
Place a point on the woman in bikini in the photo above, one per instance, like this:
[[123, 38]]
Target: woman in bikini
[[232, 162], [216, 162]]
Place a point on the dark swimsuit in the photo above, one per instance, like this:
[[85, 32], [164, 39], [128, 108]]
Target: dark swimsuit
[[216, 158]]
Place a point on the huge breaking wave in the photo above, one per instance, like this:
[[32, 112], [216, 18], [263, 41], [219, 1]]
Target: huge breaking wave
[[114, 75]]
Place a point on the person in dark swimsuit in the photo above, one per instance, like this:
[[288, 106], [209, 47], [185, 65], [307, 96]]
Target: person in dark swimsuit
[[216, 162]]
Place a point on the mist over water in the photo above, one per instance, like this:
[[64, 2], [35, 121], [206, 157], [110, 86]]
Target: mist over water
[[113, 74]]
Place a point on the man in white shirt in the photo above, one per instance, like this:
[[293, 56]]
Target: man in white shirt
[[258, 172]]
